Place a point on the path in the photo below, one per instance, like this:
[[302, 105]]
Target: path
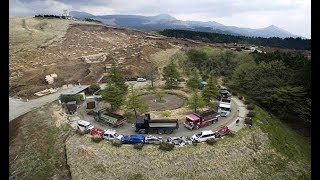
[[18, 107]]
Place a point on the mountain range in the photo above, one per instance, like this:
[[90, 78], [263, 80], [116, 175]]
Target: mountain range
[[165, 21]]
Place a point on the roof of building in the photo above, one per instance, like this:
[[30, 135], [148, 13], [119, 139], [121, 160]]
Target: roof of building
[[75, 90]]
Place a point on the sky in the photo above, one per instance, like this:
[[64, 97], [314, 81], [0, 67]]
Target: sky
[[291, 15]]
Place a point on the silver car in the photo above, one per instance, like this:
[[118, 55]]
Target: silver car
[[152, 139]]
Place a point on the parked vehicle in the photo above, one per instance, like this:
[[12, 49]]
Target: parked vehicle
[[203, 136], [108, 118], [144, 124], [196, 121], [96, 131], [133, 139], [111, 135], [84, 126], [175, 140], [150, 139], [141, 79], [131, 78], [222, 132], [224, 109], [225, 93]]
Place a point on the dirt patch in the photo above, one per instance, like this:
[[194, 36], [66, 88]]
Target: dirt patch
[[170, 102]]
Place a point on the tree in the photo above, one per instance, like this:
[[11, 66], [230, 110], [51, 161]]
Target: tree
[[159, 94], [135, 103], [194, 80], [152, 72], [210, 91], [171, 75], [113, 95], [195, 102], [115, 77], [94, 88]]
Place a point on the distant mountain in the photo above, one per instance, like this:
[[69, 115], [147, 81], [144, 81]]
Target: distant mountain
[[165, 21]]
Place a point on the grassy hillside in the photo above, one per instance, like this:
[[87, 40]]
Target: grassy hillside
[[269, 150]]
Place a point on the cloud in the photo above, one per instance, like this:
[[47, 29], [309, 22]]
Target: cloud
[[292, 15]]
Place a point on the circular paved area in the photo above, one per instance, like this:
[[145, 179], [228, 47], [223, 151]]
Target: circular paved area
[[171, 102]]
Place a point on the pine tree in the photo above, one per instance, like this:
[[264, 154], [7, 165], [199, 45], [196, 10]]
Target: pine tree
[[195, 102], [115, 77], [171, 75], [210, 91], [113, 95], [194, 80], [135, 103]]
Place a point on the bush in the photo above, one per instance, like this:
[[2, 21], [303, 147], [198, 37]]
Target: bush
[[96, 138], [231, 134], [165, 114], [80, 132], [248, 120], [138, 146], [116, 143], [250, 107], [251, 114], [211, 141], [68, 98], [247, 102], [93, 88], [240, 97], [234, 93], [166, 146]]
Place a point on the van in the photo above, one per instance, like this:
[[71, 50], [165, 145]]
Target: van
[[203, 136], [84, 126]]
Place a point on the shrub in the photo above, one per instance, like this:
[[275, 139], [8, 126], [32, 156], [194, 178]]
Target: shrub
[[93, 88], [138, 146], [80, 132], [116, 143], [240, 97], [166, 146], [96, 138], [251, 114], [211, 141], [231, 134], [68, 98], [165, 114], [250, 107], [247, 102], [248, 120], [234, 93]]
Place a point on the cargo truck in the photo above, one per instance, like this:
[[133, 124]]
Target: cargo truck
[[196, 121], [144, 124], [108, 118]]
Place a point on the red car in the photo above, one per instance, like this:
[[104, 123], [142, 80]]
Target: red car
[[96, 131]]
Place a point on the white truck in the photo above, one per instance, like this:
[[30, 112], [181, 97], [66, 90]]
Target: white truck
[[225, 107]]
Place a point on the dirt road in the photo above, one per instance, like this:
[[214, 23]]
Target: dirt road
[[229, 121]]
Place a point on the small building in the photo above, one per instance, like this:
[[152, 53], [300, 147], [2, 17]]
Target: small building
[[76, 89], [71, 107]]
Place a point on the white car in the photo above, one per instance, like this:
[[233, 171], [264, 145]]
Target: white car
[[150, 139], [203, 136], [111, 135], [141, 79], [84, 126]]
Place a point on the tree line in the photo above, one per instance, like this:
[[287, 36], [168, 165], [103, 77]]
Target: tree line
[[49, 16], [210, 37]]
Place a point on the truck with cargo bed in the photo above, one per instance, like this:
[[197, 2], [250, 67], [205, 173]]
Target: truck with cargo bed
[[196, 121], [108, 118], [144, 124]]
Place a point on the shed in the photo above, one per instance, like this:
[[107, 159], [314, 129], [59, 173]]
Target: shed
[[71, 107], [75, 90]]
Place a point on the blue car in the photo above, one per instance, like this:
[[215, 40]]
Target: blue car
[[133, 139]]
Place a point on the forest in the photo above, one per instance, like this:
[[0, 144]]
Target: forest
[[279, 82], [290, 43]]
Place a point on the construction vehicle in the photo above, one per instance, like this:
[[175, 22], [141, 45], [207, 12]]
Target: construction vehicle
[[196, 121], [108, 118], [144, 124]]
